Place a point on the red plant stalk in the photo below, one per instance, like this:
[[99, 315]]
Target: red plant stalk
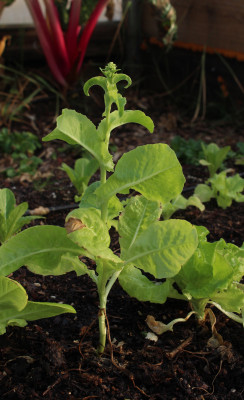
[[57, 37], [45, 40], [88, 30], [64, 52], [73, 30]]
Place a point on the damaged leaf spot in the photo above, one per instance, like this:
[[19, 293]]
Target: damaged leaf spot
[[74, 224]]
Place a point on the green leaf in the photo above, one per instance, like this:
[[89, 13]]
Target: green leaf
[[231, 299], [87, 229], [204, 192], [128, 116], [153, 170], [40, 248], [181, 203], [205, 272], [7, 202], [140, 287], [98, 80], [162, 248], [139, 213], [90, 200], [84, 169], [214, 156], [32, 312], [75, 128], [12, 295]]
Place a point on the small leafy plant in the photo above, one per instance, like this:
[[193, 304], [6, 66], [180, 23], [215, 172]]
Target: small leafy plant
[[12, 217], [222, 188], [80, 176], [213, 157], [16, 309], [212, 275], [181, 203], [188, 151], [21, 146]]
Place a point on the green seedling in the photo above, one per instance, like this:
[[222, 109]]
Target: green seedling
[[80, 176], [16, 309], [181, 203], [12, 217], [222, 188], [213, 157], [188, 151], [21, 146], [212, 275], [157, 247]]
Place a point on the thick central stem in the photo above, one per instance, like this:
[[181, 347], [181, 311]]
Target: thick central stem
[[102, 323]]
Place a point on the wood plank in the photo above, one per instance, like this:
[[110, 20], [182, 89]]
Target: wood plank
[[216, 24]]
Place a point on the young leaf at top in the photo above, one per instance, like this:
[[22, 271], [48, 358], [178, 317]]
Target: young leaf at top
[[109, 85]]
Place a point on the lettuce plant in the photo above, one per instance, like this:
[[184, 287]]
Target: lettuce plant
[[16, 309], [213, 157], [181, 203], [12, 217], [212, 275], [222, 188], [157, 247], [146, 243], [81, 174]]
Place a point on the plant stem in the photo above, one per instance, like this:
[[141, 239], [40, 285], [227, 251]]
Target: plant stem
[[112, 280], [102, 322]]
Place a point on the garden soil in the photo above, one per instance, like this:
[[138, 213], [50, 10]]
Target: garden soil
[[56, 359]]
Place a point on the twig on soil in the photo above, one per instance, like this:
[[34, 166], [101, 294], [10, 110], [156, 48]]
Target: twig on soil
[[50, 387], [173, 353]]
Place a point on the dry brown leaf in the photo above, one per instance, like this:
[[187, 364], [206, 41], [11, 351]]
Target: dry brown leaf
[[40, 211], [73, 224]]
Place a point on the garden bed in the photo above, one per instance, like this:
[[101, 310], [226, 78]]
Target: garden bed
[[56, 358]]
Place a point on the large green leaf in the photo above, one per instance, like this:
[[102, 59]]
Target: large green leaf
[[205, 272], [140, 287], [162, 248], [40, 248], [75, 128], [128, 116], [12, 295], [137, 216], [31, 312], [153, 170]]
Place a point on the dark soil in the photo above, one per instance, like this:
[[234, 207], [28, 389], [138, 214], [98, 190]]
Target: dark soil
[[56, 358]]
